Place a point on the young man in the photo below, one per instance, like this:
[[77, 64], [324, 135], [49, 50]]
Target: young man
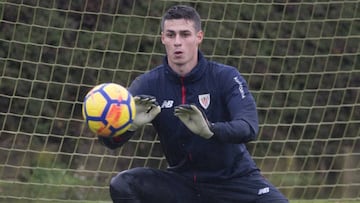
[[204, 114]]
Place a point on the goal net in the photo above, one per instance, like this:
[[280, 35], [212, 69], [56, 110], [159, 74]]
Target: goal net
[[300, 58]]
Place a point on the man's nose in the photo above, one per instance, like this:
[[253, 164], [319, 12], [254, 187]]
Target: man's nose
[[177, 41]]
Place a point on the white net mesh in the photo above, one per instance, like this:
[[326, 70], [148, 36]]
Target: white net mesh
[[300, 58]]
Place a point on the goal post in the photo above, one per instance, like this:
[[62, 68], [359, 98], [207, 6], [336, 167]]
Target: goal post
[[300, 58]]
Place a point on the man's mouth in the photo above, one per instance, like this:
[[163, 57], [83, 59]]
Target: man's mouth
[[178, 53]]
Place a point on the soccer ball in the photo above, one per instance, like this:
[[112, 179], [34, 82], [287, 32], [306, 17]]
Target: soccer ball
[[108, 109]]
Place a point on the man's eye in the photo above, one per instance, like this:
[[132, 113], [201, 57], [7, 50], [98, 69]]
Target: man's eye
[[186, 34], [170, 35]]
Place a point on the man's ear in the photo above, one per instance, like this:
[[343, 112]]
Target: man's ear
[[162, 37], [200, 36]]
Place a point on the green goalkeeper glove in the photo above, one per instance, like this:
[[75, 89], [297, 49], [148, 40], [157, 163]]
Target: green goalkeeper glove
[[146, 110], [194, 119]]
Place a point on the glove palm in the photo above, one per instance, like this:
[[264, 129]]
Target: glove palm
[[194, 119], [146, 110]]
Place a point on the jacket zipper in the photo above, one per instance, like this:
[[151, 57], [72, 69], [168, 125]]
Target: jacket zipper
[[183, 100], [183, 91], [194, 174]]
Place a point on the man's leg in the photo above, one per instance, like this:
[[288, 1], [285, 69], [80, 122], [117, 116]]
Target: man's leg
[[151, 185], [266, 192], [248, 189]]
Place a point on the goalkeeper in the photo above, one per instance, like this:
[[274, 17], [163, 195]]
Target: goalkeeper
[[204, 114]]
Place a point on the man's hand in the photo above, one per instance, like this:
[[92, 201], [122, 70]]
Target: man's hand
[[194, 119], [146, 110]]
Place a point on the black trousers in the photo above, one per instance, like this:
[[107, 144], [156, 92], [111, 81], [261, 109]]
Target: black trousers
[[140, 185]]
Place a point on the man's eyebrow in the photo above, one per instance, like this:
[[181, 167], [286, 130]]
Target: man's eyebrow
[[181, 31]]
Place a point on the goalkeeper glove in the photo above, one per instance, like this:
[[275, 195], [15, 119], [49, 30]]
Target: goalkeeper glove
[[194, 119], [146, 110]]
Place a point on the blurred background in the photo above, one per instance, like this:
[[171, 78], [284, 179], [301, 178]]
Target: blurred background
[[300, 58]]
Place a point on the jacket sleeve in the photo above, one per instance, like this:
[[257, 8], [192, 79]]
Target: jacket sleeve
[[243, 124], [115, 142]]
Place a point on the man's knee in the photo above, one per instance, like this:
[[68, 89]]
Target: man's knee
[[123, 186]]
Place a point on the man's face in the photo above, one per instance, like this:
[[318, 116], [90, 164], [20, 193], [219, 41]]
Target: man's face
[[181, 42]]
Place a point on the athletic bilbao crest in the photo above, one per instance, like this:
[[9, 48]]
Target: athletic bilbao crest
[[204, 100]]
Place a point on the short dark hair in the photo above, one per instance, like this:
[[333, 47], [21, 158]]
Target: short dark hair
[[182, 12]]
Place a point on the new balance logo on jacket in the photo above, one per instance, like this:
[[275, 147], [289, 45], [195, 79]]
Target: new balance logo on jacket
[[167, 104], [264, 191]]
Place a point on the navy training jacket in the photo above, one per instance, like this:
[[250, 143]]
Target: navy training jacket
[[222, 93]]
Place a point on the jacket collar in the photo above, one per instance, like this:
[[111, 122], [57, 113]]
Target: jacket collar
[[196, 73]]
